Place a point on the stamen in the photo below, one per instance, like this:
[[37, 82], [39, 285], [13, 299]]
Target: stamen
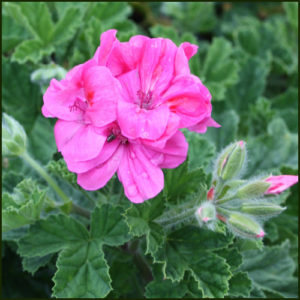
[[144, 100], [78, 104]]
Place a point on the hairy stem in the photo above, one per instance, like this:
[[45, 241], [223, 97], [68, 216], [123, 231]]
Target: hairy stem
[[67, 202]]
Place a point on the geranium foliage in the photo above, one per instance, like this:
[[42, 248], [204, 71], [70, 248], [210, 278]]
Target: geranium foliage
[[62, 240]]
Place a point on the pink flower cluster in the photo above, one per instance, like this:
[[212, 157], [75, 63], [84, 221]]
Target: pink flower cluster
[[121, 111]]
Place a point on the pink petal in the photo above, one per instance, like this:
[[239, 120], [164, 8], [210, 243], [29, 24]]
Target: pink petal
[[189, 99], [84, 166], [107, 41], [100, 175], [102, 92], [184, 53], [172, 127], [125, 56], [136, 122], [280, 183], [130, 83], [201, 127], [77, 142], [141, 179], [174, 152], [61, 95], [189, 49], [58, 99], [157, 65]]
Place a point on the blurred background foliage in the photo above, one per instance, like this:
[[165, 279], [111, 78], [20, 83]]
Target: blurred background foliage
[[247, 57]]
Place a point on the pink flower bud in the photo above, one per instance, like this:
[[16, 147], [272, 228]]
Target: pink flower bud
[[210, 194], [280, 183]]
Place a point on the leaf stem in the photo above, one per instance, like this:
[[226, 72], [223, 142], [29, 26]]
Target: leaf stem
[[35, 165]]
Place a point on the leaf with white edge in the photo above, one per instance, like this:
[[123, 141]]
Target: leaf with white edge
[[160, 288], [271, 269], [140, 221], [51, 235], [178, 252], [108, 226], [23, 207], [31, 50], [240, 285], [32, 264], [82, 272], [212, 274], [201, 150], [154, 238], [233, 257]]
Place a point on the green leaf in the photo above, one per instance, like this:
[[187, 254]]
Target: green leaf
[[82, 272], [12, 33], [167, 32], [140, 221], [32, 264], [92, 34], [108, 225], [219, 70], [232, 256], [239, 285], [51, 235], [286, 105], [221, 137], [201, 151], [67, 26], [129, 286], [250, 86], [160, 288], [178, 253], [212, 274], [31, 50], [20, 98], [59, 168], [42, 142], [291, 9], [108, 12], [277, 147], [22, 207], [272, 269], [186, 182], [192, 16], [39, 19]]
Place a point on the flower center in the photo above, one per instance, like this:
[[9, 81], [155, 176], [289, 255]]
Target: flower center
[[113, 133], [78, 104], [144, 99]]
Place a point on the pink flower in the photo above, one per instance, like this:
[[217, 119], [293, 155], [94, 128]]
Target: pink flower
[[157, 85], [121, 111], [90, 139], [280, 183]]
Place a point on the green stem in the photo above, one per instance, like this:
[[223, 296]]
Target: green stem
[[177, 218], [35, 165]]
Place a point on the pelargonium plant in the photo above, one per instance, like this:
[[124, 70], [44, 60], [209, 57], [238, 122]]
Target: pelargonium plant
[[123, 111]]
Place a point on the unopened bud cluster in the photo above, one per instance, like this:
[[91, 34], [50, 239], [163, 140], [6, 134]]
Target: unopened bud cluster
[[241, 204]]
